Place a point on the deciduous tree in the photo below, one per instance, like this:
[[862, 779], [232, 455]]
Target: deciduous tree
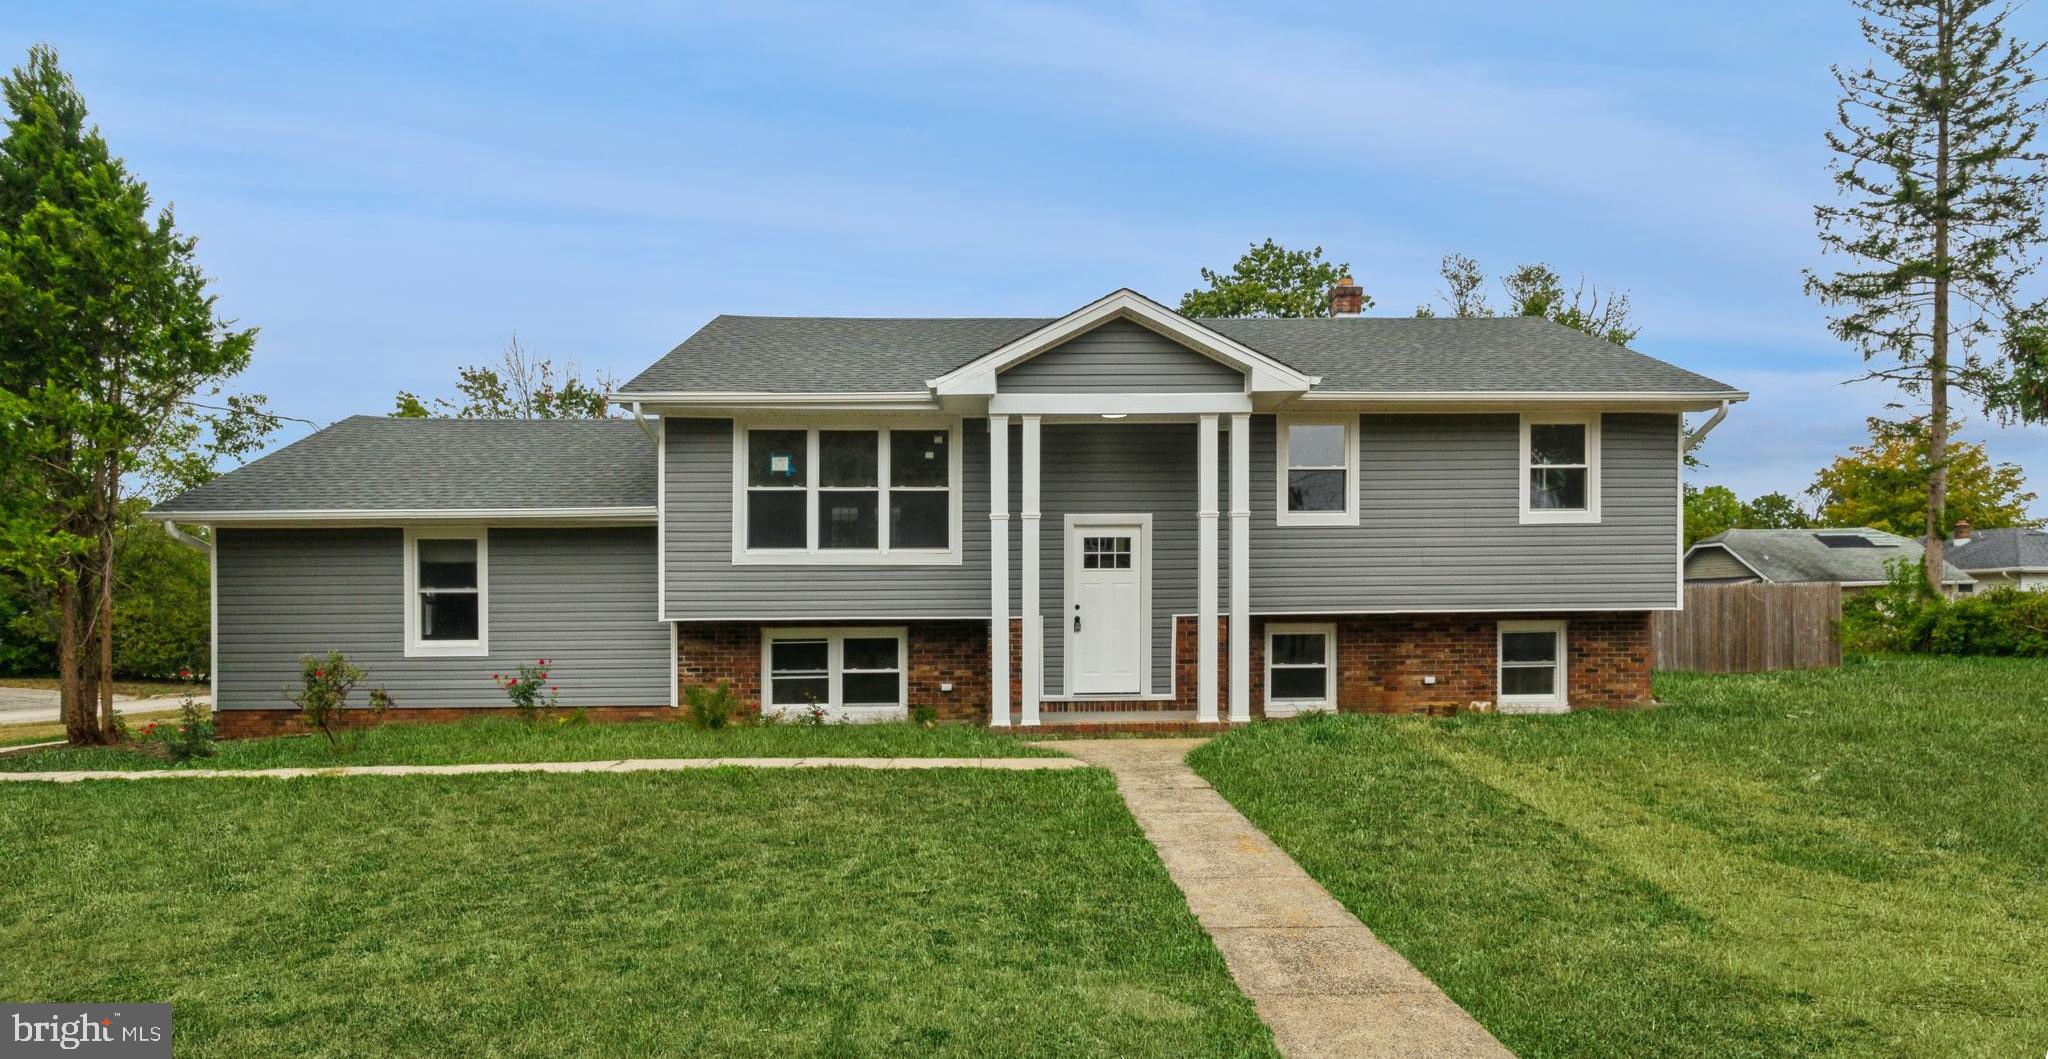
[[520, 385], [1883, 484]]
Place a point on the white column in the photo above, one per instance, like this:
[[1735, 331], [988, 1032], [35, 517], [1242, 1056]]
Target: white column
[[1240, 568], [999, 571], [1034, 624], [1205, 620]]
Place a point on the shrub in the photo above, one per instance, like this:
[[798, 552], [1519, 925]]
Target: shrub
[[1904, 617], [711, 708], [528, 689], [190, 736], [323, 694], [924, 715]]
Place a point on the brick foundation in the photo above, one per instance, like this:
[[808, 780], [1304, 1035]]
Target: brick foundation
[[1381, 663]]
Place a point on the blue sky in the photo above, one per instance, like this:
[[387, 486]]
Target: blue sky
[[388, 193]]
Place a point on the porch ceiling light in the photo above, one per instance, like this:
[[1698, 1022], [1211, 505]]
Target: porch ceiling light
[[1114, 415]]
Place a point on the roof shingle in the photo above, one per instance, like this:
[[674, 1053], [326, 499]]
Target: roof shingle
[[375, 463]]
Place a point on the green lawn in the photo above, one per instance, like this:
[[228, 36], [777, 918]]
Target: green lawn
[[489, 739], [1840, 863], [734, 912]]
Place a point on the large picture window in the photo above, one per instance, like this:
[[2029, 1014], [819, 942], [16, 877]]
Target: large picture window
[[1318, 471], [847, 495], [849, 674], [1532, 666], [447, 603], [1560, 468], [1301, 668]]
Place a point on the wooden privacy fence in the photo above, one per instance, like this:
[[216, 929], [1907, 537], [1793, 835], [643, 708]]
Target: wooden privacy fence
[[1750, 629]]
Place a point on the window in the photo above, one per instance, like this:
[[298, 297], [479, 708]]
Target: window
[[853, 674], [1105, 553], [447, 597], [1531, 667], [1318, 471], [1301, 668], [846, 495], [1560, 468]]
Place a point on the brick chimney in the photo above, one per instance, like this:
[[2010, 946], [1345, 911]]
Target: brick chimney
[[1347, 298], [1961, 535]]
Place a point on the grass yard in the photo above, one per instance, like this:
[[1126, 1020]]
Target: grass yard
[[500, 739], [43, 732], [1848, 862], [735, 912]]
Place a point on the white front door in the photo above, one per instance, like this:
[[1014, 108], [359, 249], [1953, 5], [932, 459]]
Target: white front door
[[1105, 621]]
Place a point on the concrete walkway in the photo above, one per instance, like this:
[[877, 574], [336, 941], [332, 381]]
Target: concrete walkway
[[1318, 976], [677, 764]]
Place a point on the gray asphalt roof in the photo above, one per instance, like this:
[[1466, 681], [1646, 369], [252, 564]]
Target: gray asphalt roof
[[1785, 556], [803, 354], [2002, 549], [372, 463]]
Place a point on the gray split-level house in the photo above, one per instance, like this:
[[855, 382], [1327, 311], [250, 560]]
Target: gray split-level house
[[1117, 515]]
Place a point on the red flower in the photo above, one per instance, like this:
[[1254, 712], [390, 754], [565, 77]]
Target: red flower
[[318, 673], [552, 689]]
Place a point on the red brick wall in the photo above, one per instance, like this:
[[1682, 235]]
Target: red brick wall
[[941, 652]]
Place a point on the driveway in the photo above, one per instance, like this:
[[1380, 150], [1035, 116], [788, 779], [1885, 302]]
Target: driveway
[[39, 705]]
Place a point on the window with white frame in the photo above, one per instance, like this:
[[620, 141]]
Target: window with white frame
[[848, 495], [1560, 468], [1318, 471], [1301, 668], [447, 598], [851, 674], [1532, 666]]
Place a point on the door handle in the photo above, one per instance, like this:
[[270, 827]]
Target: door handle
[[1077, 617]]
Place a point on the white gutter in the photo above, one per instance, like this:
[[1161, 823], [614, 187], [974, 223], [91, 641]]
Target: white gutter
[[620, 516], [1693, 439]]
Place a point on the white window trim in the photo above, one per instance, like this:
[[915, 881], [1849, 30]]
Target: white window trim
[[1289, 707], [835, 638], [1346, 517], [811, 554], [1559, 700], [418, 648], [1142, 523], [1591, 512]]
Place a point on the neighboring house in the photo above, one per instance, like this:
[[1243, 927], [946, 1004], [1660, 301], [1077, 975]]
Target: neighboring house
[[1118, 514], [1857, 559], [2002, 558]]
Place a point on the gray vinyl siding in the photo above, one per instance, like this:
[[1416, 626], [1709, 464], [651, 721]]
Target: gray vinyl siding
[[1122, 469], [704, 584], [1715, 564], [1440, 529], [581, 598], [1121, 357]]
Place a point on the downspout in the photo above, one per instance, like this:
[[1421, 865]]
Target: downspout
[[1693, 439], [648, 430], [187, 539]]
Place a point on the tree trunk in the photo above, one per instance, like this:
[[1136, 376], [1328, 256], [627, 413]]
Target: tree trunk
[[106, 636], [1937, 362], [70, 694]]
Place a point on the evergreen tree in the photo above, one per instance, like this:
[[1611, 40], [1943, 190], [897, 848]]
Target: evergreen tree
[[1269, 280], [1941, 205], [108, 337]]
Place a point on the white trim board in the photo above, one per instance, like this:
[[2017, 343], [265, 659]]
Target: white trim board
[[1262, 373]]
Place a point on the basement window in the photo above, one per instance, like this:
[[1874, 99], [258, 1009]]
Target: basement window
[[1531, 667], [1301, 668], [850, 674]]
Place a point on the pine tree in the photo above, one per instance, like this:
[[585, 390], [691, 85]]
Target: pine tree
[[1941, 185], [107, 334]]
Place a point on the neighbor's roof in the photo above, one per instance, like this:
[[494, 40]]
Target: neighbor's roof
[[1786, 556], [823, 354], [2002, 549], [375, 463]]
